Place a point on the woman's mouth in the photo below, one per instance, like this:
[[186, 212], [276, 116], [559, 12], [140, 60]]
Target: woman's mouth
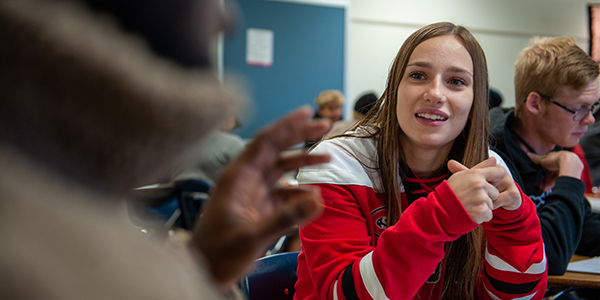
[[431, 117]]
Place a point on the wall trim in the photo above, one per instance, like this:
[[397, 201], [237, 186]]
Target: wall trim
[[332, 3], [509, 33]]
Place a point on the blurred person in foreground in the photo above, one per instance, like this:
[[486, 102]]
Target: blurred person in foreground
[[89, 111]]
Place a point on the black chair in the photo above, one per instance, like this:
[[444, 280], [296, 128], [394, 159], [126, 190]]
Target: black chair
[[168, 205], [191, 195], [273, 278], [150, 206]]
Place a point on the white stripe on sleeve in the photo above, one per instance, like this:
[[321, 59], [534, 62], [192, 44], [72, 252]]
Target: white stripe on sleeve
[[335, 296], [499, 264], [367, 272]]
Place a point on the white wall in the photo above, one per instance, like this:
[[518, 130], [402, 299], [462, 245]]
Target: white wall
[[502, 27]]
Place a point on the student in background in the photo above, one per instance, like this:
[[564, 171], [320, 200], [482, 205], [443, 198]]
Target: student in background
[[495, 98], [361, 107], [207, 159], [414, 206], [556, 92], [329, 105]]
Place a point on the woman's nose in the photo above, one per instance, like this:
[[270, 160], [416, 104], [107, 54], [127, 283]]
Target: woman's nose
[[435, 91]]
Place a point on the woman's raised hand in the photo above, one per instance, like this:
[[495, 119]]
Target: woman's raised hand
[[483, 188]]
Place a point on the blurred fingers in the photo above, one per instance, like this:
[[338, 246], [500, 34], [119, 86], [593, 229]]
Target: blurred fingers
[[294, 128], [295, 206], [264, 151], [295, 162]]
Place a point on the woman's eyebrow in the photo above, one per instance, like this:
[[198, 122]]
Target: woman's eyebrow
[[460, 70], [420, 64], [428, 65]]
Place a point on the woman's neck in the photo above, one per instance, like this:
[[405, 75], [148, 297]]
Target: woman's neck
[[426, 163]]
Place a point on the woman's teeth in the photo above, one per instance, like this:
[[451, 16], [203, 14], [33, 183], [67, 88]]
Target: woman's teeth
[[431, 117]]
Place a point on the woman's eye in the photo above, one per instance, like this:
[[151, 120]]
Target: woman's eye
[[457, 81], [416, 75]]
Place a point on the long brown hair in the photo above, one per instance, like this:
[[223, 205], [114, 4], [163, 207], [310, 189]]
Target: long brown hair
[[464, 256]]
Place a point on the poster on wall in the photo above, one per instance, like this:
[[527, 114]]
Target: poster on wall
[[594, 17], [259, 47]]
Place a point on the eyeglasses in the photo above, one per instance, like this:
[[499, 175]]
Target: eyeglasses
[[578, 114]]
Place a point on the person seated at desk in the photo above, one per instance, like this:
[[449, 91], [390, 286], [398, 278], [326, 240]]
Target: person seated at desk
[[361, 108], [556, 92], [208, 158], [196, 174], [414, 206], [495, 98], [329, 105]]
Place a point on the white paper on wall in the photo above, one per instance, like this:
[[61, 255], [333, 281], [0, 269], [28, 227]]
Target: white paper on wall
[[259, 47]]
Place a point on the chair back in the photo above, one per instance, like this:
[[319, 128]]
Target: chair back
[[191, 194], [273, 278]]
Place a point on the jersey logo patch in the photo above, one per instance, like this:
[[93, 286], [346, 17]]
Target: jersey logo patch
[[379, 215]]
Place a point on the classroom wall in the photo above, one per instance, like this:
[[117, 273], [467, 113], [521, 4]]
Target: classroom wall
[[375, 29], [378, 28], [308, 57]]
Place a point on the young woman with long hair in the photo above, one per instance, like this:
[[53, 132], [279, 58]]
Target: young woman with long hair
[[408, 187]]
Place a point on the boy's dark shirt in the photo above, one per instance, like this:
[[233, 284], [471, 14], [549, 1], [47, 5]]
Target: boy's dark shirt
[[568, 224]]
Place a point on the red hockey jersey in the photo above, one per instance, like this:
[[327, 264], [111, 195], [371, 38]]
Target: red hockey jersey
[[350, 253]]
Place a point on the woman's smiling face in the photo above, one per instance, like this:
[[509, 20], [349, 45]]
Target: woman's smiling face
[[435, 94]]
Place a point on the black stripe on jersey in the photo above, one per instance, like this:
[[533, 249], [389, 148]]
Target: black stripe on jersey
[[348, 284], [511, 288]]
